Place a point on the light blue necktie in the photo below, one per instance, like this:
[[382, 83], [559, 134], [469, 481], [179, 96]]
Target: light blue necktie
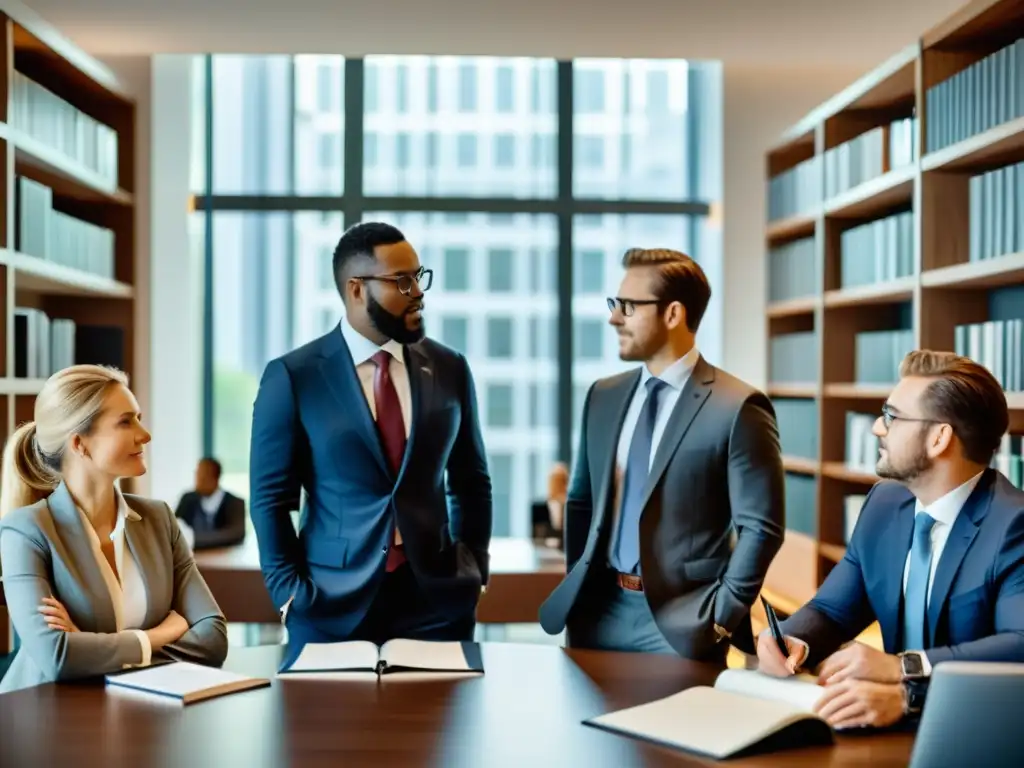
[[915, 600], [626, 555]]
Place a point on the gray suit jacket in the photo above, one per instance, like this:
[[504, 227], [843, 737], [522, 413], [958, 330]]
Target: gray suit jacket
[[45, 550], [713, 520]]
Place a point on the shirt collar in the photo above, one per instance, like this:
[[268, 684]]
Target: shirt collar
[[124, 514], [946, 509], [214, 498], [362, 349], [677, 373]]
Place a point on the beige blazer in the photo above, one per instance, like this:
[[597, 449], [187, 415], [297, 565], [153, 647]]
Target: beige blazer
[[45, 550]]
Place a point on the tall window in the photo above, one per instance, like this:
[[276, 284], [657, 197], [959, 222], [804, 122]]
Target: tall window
[[524, 230]]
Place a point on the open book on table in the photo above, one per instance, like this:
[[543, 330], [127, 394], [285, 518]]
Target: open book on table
[[745, 712], [184, 681], [330, 659]]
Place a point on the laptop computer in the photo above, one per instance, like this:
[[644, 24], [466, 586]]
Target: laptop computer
[[972, 717]]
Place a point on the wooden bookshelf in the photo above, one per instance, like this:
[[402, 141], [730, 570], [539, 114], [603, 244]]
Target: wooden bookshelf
[[944, 270], [65, 141], [800, 465], [793, 307], [792, 228]]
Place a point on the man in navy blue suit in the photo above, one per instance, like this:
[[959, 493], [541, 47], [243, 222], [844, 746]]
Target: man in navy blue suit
[[937, 556], [371, 420]]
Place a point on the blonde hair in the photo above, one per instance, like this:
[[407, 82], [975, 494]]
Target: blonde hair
[[67, 405]]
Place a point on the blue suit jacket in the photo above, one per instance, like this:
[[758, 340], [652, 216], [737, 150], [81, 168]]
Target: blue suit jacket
[[976, 608], [312, 428]]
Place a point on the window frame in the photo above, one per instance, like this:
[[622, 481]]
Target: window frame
[[353, 202]]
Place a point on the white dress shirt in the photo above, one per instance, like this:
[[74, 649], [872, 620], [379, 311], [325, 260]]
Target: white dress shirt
[[362, 350], [675, 376], [945, 511], [210, 504], [128, 595]]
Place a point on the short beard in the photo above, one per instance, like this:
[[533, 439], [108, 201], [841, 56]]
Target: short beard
[[909, 472], [393, 326], [645, 351]]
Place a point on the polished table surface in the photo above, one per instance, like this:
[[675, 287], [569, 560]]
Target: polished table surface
[[526, 710], [523, 574]]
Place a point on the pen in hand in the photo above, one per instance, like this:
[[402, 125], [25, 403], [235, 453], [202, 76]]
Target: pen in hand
[[776, 630]]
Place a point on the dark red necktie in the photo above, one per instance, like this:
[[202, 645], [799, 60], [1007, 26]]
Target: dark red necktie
[[392, 432]]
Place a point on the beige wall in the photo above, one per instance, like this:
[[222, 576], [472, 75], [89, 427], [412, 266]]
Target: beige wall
[[759, 105]]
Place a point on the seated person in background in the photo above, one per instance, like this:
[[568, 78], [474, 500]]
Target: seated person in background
[[216, 517], [547, 515], [95, 580], [937, 557]]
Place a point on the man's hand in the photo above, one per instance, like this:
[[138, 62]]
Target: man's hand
[[860, 662], [861, 704], [770, 659]]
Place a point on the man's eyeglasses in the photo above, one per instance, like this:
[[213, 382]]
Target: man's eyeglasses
[[422, 277], [888, 417], [628, 306]]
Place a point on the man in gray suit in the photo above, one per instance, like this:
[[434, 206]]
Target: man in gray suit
[[676, 507]]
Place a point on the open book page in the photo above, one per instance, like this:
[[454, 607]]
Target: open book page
[[186, 681], [802, 691], [435, 656], [354, 655], [705, 720]]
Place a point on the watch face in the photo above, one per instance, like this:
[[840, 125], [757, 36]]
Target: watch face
[[912, 664]]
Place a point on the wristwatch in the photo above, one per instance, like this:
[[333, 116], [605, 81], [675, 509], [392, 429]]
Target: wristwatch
[[914, 694], [911, 665]]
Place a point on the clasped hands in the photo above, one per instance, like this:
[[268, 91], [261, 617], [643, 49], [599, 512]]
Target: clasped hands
[[862, 685]]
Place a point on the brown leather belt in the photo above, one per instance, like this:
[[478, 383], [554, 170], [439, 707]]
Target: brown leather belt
[[629, 581]]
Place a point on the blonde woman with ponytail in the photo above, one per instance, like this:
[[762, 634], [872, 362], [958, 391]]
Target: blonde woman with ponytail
[[95, 580]]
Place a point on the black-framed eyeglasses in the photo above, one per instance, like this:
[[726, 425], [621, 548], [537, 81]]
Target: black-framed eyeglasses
[[422, 277], [888, 417], [628, 306]]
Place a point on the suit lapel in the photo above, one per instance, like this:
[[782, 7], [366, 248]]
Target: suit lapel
[[899, 534], [79, 543], [421, 391], [616, 403], [965, 528], [341, 378], [695, 392]]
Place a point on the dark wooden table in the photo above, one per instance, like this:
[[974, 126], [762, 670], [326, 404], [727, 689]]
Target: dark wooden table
[[523, 574], [526, 710]]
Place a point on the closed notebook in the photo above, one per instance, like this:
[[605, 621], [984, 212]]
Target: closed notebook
[[358, 656], [185, 681], [745, 712]]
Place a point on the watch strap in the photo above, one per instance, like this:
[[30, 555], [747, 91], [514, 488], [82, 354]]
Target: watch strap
[[915, 695]]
